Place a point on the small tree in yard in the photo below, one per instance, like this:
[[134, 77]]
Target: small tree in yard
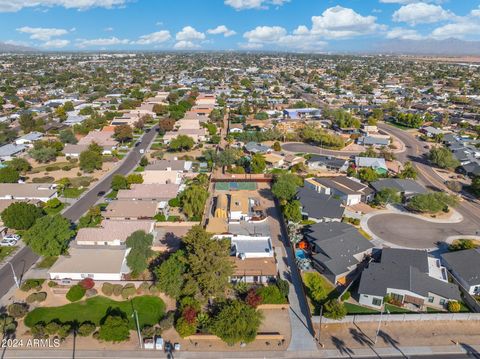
[[237, 322], [119, 182], [335, 309], [114, 329], [387, 196]]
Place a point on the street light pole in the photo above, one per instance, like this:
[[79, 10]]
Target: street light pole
[[14, 275]]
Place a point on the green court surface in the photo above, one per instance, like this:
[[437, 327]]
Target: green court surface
[[233, 186]]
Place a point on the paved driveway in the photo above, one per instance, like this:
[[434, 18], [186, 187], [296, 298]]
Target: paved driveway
[[412, 232]]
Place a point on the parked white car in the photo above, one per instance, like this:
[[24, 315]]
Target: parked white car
[[7, 242], [12, 236]]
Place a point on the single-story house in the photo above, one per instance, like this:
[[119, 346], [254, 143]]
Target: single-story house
[[111, 233], [320, 207], [9, 151], [72, 150], [337, 249], [100, 264], [350, 191], [465, 267], [375, 141], [430, 131], [408, 277], [28, 191], [254, 147], [378, 164], [300, 113], [131, 210], [406, 187], [274, 160], [170, 165], [254, 270], [29, 138], [318, 162], [159, 192]]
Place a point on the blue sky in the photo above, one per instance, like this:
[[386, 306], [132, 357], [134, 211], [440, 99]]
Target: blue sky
[[288, 25]]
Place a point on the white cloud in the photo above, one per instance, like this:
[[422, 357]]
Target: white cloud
[[456, 30], [189, 33], [421, 13], [82, 43], [185, 45], [340, 22], [108, 29], [277, 37], [42, 33], [404, 34], [221, 29], [56, 43], [265, 34], [16, 43], [154, 38], [461, 27], [16, 5], [254, 4]]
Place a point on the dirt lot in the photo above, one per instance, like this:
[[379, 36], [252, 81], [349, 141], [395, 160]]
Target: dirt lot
[[432, 333]]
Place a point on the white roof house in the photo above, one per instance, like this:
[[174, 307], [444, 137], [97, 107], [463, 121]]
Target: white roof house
[[109, 264]]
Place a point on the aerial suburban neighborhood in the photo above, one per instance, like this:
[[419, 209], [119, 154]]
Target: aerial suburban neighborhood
[[205, 204]]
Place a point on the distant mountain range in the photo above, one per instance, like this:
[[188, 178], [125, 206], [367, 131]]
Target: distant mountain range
[[15, 48], [427, 47]]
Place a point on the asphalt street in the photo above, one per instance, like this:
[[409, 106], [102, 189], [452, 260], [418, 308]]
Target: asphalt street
[[25, 258]]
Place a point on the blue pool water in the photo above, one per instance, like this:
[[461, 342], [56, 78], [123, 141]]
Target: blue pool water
[[300, 254]]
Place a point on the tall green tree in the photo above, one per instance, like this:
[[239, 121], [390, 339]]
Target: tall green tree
[[170, 274], [140, 244], [258, 164], [443, 158], [21, 215], [49, 236], [90, 161], [387, 196], [9, 175], [209, 265], [286, 186]]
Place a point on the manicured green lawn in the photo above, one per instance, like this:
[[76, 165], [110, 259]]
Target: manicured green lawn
[[357, 309], [139, 169], [72, 192], [6, 251], [47, 262], [150, 310], [395, 309]]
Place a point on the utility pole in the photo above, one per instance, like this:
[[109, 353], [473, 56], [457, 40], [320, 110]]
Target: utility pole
[[320, 326], [135, 314], [14, 275], [379, 324]]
